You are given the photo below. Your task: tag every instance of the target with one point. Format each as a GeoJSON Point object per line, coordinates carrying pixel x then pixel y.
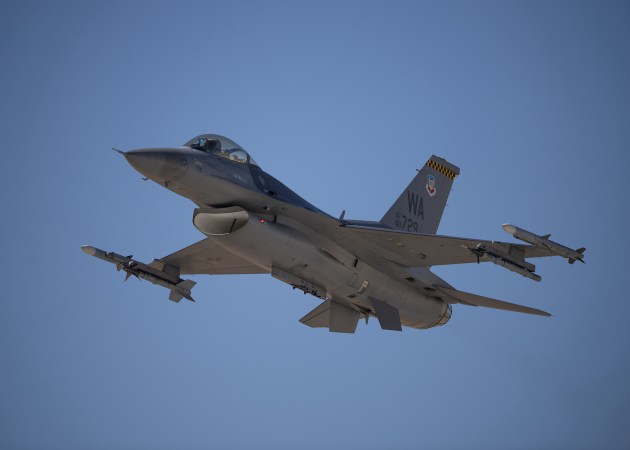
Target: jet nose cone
{"type": "Point", "coordinates": [158, 164]}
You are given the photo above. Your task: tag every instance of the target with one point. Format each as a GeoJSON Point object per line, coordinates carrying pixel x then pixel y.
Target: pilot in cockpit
{"type": "Point", "coordinates": [221, 147]}
{"type": "Point", "coordinates": [210, 145]}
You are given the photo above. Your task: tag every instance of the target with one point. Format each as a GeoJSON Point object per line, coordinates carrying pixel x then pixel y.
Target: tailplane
{"type": "Point", "coordinates": [419, 208]}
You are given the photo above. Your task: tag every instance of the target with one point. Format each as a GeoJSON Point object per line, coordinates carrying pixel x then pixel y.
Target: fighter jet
{"type": "Point", "coordinates": [254, 224]}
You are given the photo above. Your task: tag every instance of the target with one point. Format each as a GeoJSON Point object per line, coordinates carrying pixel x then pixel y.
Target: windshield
{"type": "Point", "coordinates": [220, 146]}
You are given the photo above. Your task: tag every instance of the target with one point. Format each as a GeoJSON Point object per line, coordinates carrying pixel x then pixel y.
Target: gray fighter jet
{"type": "Point", "coordinates": [254, 224]}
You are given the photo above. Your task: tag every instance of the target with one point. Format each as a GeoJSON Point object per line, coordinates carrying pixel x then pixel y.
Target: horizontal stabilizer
{"type": "Point", "coordinates": [334, 316]}
{"type": "Point", "coordinates": [477, 300]}
{"type": "Point", "coordinates": [388, 316]}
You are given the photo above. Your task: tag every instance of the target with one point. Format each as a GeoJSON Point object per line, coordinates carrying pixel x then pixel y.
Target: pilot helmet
{"type": "Point", "coordinates": [211, 144]}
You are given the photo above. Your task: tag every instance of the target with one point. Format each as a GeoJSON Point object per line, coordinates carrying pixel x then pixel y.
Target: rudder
{"type": "Point", "coordinates": [420, 206]}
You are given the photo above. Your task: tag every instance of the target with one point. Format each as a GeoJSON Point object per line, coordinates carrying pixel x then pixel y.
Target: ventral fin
{"type": "Point", "coordinates": [388, 316]}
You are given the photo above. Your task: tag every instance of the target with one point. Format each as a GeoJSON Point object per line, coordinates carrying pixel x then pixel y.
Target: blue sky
{"type": "Point", "coordinates": [342, 101]}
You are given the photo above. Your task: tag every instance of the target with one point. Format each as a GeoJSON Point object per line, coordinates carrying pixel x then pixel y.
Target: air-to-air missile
{"type": "Point", "coordinates": [545, 242]}
{"type": "Point", "coordinates": [511, 262]}
{"type": "Point", "coordinates": [157, 272]}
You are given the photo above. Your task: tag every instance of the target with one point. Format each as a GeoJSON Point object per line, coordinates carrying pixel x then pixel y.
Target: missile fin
{"type": "Point", "coordinates": [175, 296]}
{"type": "Point", "coordinates": [547, 236]}
{"type": "Point", "coordinates": [580, 250]}
{"type": "Point", "coordinates": [187, 284]}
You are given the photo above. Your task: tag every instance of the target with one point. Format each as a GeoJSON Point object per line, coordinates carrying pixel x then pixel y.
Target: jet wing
{"type": "Point", "coordinates": [411, 250]}
{"type": "Point", "coordinates": [207, 257]}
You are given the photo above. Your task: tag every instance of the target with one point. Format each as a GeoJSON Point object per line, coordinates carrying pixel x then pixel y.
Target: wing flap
{"type": "Point", "coordinates": [207, 257]}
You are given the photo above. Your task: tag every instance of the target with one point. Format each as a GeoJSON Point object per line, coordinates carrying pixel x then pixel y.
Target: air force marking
{"type": "Point", "coordinates": [431, 189]}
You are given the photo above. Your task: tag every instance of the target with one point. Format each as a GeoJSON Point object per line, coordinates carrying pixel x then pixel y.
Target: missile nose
{"type": "Point", "coordinates": [510, 229]}
{"type": "Point", "coordinates": [88, 249]}
{"type": "Point", "coordinates": [158, 164]}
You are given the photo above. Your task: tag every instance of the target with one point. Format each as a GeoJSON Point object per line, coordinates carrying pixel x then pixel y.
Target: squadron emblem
{"type": "Point", "coordinates": [431, 189]}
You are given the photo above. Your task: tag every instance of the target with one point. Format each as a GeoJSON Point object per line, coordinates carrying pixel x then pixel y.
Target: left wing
{"type": "Point", "coordinates": [411, 249]}
{"type": "Point", "coordinates": [207, 257]}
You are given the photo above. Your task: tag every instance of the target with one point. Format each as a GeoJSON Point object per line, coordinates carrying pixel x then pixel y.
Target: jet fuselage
{"type": "Point", "coordinates": [288, 247]}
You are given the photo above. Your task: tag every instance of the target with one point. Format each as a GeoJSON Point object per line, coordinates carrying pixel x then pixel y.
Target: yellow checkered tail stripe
{"type": "Point", "coordinates": [440, 168]}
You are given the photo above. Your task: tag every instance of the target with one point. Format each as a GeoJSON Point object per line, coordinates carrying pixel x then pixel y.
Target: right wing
{"type": "Point", "coordinates": [414, 249]}
{"type": "Point", "coordinates": [207, 257]}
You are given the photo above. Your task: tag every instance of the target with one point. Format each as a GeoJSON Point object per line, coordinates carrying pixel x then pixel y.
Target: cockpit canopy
{"type": "Point", "coordinates": [221, 146]}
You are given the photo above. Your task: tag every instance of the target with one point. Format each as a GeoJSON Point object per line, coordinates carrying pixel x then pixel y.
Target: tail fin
{"type": "Point", "coordinates": [419, 208]}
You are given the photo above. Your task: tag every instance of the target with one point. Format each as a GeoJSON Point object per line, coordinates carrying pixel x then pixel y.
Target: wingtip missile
{"type": "Point", "coordinates": [179, 288]}
{"type": "Point", "coordinates": [88, 249]}
{"type": "Point", "coordinates": [546, 243]}
{"type": "Point", "coordinates": [509, 228]}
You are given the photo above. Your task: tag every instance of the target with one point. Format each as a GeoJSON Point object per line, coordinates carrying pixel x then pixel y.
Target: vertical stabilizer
{"type": "Point", "coordinates": [419, 208]}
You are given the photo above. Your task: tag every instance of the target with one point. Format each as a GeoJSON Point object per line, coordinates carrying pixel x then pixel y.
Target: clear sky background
{"type": "Point", "coordinates": [342, 101]}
